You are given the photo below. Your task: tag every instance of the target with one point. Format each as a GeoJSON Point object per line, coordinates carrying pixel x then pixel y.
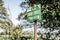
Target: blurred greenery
{"type": "Point", "coordinates": [50, 19]}
{"type": "Point", "coordinates": [14, 32]}
{"type": "Point", "coordinates": [50, 10]}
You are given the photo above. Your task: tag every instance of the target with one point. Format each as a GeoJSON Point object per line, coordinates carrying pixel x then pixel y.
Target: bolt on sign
{"type": "Point", "coordinates": [34, 13]}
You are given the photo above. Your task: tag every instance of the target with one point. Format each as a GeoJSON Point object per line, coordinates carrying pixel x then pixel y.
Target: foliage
{"type": "Point", "coordinates": [2, 9]}
{"type": "Point", "coordinates": [15, 32]}
{"type": "Point", "coordinates": [1, 3]}
{"type": "Point", "coordinates": [31, 34]}
{"type": "Point", "coordinates": [50, 10]}
{"type": "Point", "coordinates": [5, 22]}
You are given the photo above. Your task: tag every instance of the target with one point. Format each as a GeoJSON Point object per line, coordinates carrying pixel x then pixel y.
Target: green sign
{"type": "Point", "coordinates": [34, 13]}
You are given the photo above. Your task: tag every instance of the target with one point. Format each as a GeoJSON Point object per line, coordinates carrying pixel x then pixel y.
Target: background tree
{"type": "Point", "coordinates": [16, 32]}
{"type": "Point", "coordinates": [5, 22]}
{"type": "Point", "coordinates": [50, 10]}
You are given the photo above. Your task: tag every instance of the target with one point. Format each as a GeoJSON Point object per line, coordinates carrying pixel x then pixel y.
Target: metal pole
{"type": "Point", "coordinates": [35, 30]}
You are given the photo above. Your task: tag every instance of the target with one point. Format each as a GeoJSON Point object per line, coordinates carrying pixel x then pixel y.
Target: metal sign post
{"type": "Point", "coordinates": [35, 30]}
{"type": "Point", "coordinates": [33, 15]}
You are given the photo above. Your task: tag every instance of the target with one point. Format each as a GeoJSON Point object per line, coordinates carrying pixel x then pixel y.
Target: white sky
{"type": "Point", "coordinates": [14, 9]}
